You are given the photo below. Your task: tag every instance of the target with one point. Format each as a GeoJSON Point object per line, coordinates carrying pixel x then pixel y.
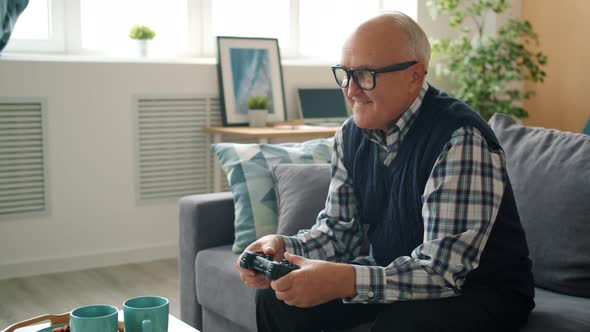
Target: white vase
{"type": "Point", "coordinates": [257, 118]}
{"type": "Point", "coordinates": [142, 47]}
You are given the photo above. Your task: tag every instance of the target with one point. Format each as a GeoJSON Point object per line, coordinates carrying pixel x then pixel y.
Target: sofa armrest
{"type": "Point", "coordinates": [204, 221]}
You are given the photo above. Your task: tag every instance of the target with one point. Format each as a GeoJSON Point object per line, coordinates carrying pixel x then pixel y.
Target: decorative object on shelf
{"type": "Point", "coordinates": [258, 110]}
{"type": "Point", "coordinates": [142, 34]}
{"type": "Point", "coordinates": [249, 67]}
{"type": "Point", "coordinates": [487, 70]}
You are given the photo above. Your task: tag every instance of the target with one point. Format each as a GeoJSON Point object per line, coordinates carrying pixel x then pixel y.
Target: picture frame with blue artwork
{"type": "Point", "coordinates": [249, 67]}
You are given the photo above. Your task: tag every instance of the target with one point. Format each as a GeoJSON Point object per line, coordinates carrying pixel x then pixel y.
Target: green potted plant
{"type": "Point", "coordinates": [487, 70]}
{"type": "Point", "coordinates": [258, 110]}
{"type": "Point", "coordinates": [142, 34]}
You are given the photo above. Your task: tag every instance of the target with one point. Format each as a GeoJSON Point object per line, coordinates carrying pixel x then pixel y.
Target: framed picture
{"type": "Point", "coordinates": [249, 67]}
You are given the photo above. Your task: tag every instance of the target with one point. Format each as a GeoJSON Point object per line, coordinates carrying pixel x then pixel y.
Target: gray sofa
{"type": "Point", "coordinates": [550, 173]}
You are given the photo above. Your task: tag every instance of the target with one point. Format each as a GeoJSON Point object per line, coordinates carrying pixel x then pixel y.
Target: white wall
{"type": "Point", "coordinates": [94, 219]}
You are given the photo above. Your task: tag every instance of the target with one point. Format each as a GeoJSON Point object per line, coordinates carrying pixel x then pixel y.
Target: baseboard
{"type": "Point", "coordinates": [88, 261]}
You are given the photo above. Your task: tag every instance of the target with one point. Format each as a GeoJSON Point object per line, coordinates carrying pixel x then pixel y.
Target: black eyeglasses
{"type": "Point", "coordinates": [365, 77]}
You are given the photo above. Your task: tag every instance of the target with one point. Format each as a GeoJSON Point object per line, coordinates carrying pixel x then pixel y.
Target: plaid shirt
{"type": "Point", "coordinates": [460, 202]}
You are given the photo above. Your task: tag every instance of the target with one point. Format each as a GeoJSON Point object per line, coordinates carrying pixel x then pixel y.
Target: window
{"type": "Point", "coordinates": [324, 25]}
{"type": "Point", "coordinates": [105, 25]}
{"type": "Point", "coordinates": [305, 28]}
{"type": "Point", "coordinates": [410, 8]}
{"type": "Point", "coordinates": [39, 28]}
{"type": "Point", "coordinates": [34, 22]}
{"type": "Point", "coordinates": [256, 18]}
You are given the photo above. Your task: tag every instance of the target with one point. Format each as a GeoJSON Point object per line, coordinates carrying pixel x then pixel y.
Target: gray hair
{"type": "Point", "coordinates": [419, 44]}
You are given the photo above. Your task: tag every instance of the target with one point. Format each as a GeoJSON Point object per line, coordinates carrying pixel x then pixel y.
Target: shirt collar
{"type": "Point", "coordinates": [398, 131]}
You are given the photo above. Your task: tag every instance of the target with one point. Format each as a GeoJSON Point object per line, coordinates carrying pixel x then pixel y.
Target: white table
{"type": "Point", "coordinates": [174, 325]}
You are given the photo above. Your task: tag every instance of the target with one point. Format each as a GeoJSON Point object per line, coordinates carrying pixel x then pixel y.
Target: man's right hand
{"type": "Point", "coordinates": [268, 245]}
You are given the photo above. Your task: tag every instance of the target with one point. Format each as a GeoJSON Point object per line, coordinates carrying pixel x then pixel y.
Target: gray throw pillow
{"type": "Point", "coordinates": [302, 190]}
{"type": "Point", "coordinates": [550, 174]}
{"type": "Point", "coordinates": [301, 193]}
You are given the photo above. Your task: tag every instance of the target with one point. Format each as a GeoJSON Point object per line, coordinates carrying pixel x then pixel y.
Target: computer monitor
{"type": "Point", "coordinates": [322, 106]}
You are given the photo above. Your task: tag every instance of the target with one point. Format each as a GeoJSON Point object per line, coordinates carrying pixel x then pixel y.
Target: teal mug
{"type": "Point", "coordinates": [146, 314]}
{"type": "Point", "coordinates": [94, 318]}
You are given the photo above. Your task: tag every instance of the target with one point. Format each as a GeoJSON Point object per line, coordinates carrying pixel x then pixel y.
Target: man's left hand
{"type": "Point", "coordinates": [315, 282]}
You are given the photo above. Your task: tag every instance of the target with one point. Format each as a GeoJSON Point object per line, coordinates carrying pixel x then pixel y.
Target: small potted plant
{"type": "Point", "coordinates": [141, 34]}
{"type": "Point", "coordinates": [258, 110]}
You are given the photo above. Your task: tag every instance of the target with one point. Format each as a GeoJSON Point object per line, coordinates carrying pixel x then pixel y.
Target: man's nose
{"type": "Point", "coordinates": [353, 89]}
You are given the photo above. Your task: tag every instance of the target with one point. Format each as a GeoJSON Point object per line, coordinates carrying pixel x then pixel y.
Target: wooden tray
{"type": "Point", "coordinates": [53, 320]}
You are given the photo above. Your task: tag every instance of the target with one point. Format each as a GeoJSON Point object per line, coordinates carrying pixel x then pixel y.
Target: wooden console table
{"type": "Point", "coordinates": [266, 133]}
{"type": "Point", "coordinates": [263, 135]}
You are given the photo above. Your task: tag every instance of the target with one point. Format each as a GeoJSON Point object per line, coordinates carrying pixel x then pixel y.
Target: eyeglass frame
{"type": "Point", "coordinates": [350, 72]}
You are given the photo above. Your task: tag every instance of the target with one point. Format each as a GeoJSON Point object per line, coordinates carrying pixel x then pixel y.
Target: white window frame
{"type": "Point", "coordinates": [73, 32]}
{"type": "Point", "coordinates": [197, 26]}
{"type": "Point", "coordinates": [65, 31]}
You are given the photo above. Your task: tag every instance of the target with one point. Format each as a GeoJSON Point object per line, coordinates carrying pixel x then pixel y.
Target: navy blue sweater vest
{"type": "Point", "coordinates": [390, 197]}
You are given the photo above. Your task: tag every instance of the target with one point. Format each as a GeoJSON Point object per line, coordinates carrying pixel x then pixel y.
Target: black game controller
{"type": "Point", "coordinates": [263, 263]}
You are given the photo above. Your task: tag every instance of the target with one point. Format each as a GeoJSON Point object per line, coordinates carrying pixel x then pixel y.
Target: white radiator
{"type": "Point", "coordinates": [172, 151]}
{"type": "Point", "coordinates": [23, 169]}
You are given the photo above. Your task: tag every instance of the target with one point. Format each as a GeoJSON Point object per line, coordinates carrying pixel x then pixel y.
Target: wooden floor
{"type": "Point", "coordinates": [22, 298]}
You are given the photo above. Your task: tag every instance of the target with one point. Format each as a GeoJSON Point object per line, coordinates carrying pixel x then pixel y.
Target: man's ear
{"type": "Point", "coordinates": [416, 78]}
{"type": "Point", "coordinates": [418, 73]}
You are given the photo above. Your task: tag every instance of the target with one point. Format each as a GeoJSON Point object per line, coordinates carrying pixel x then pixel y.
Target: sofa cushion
{"type": "Point", "coordinates": [220, 289]}
{"type": "Point", "coordinates": [558, 312]}
{"type": "Point", "coordinates": [301, 194]}
{"type": "Point", "coordinates": [248, 168]}
{"type": "Point", "coordinates": [550, 175]}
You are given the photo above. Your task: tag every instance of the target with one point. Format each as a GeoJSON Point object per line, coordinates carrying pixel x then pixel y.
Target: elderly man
{"type": "Point", "coordinates": [427, 176]}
